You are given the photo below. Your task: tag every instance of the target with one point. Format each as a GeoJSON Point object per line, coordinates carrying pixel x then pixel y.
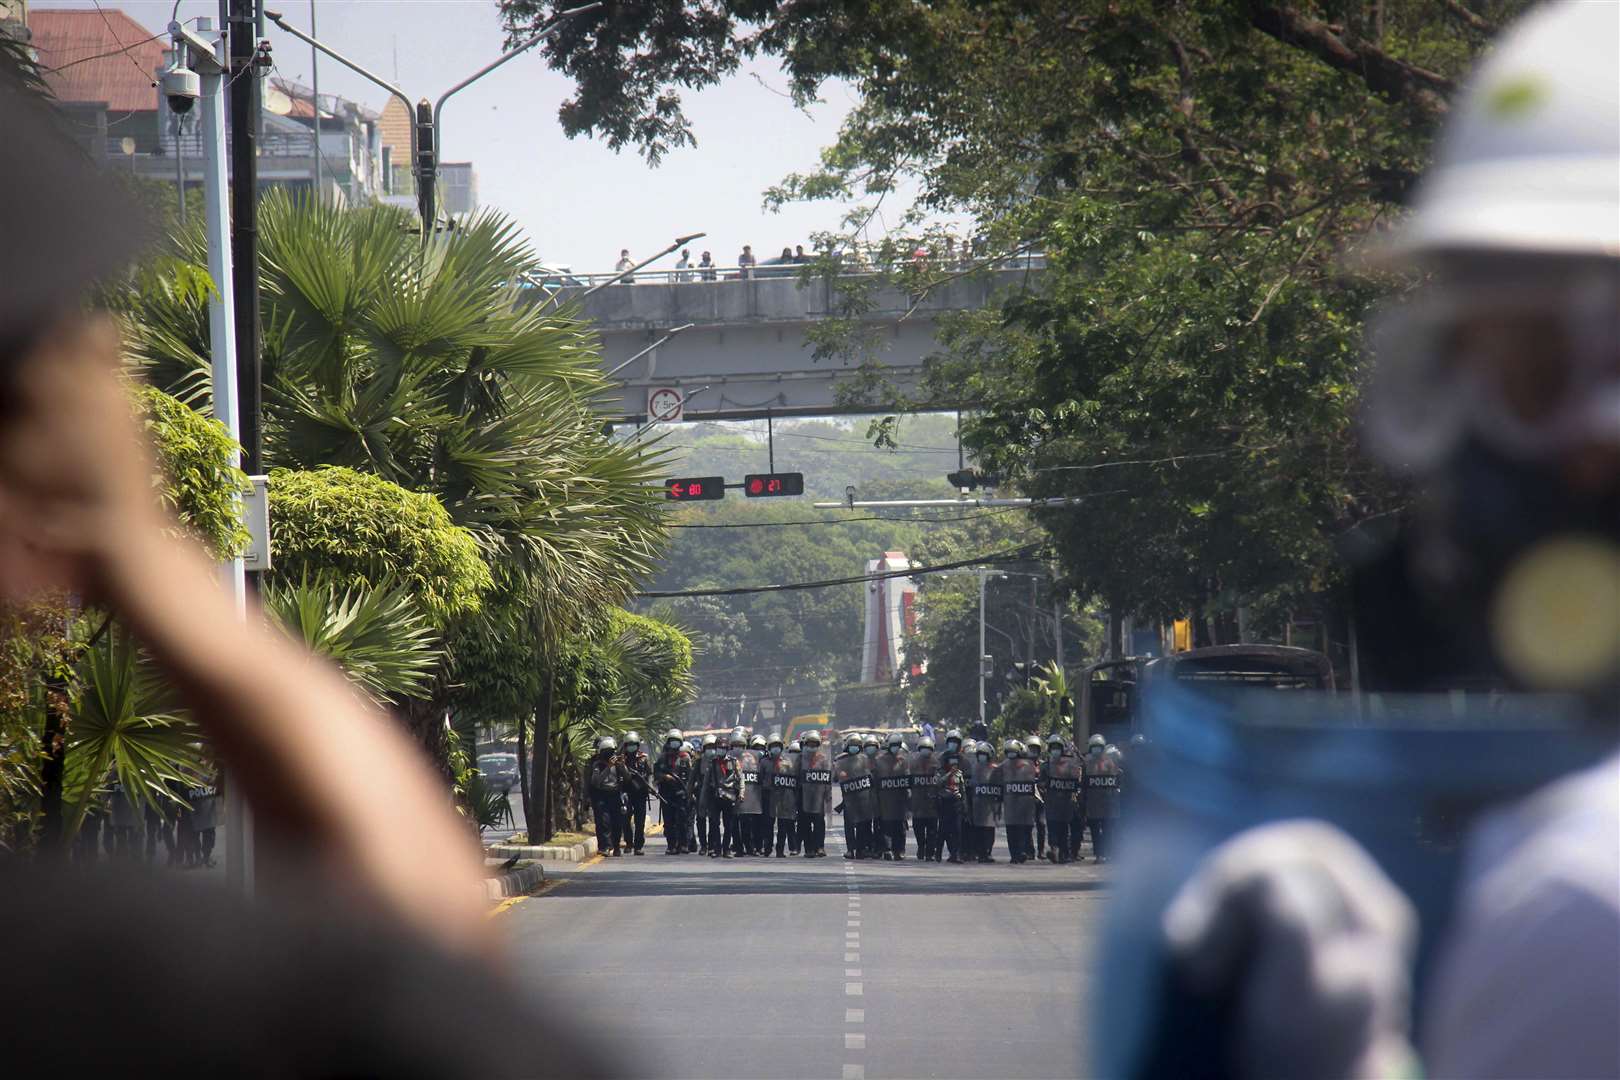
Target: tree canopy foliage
{"type": "Point", "coordinates": [366, 530]}
{"type": "Point", "coordinates": [1192, 172]}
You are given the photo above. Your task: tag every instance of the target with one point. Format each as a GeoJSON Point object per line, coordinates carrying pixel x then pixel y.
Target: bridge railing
{"type": "Point", "coordinates": [567, 279]}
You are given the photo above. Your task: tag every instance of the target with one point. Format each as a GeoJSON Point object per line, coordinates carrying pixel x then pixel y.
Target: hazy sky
{"type": "Point", "coordinates": [578, 201]}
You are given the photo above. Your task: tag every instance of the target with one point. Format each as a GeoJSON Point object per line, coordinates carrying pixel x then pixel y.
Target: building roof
{"type": "Point", "coordinates": [99, 55]}
{"type": "Point", "coordinates": [394, 129]}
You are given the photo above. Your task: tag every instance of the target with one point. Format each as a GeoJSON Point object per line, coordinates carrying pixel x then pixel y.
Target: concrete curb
{"type": "Point", "coordinates": [552, 852]}
{"type": "Point", "coordinates": [515, 882]}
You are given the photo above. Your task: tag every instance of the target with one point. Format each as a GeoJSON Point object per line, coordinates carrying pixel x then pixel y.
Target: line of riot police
{"type": "Point", "coordinates": [750, 795]}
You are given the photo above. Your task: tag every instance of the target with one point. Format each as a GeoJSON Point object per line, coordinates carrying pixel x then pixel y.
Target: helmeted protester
{"type": "Point", "coordinates": [672, 774]}
{"type": "Point", "coordinates": [708, 839]}
{"type": "Point", "coordinates": [638, 788]}
{"type": "Point", "coordinates": [853, 771]}
{"type": "Point", "coordinates": [1060, 776]}
{"type": "Point", "coordinates": [892, 771]}
{"type": "Point", "coordinates": [815, 795]}
{"type": "Point", "coordinates": [607, 785]}
{"type": "Point", "coordinates": [780, 774]}
{"type": "Point", "coordinates": [1018, 801]}
{"type": "Point", "coordinates": [751, 812]}
{"type": "Point", "coordinates": [950, 793]}
{"type": "Point", "coordinates": [1102, 784]}
{"type": "Point", "coordinates": [924, 770]}
{"type": "Point", "coordinates": [984, 802]}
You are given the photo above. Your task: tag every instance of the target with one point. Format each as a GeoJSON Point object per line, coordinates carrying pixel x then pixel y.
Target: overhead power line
{"type": "Point", "coordinates": [1010, 555]}
{"type": "Point", "coordinates": [987, 512]}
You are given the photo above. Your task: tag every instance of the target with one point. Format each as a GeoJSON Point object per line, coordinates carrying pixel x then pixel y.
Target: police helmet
{"type": "Point", "coordinates": [709, 740]}
{"type": "Point", "coordinates": [870, 740]}
{"type": "Point", "coordinates": [1096, 742]}
{"type": "Point", "coordinates": [852, 744]}
{"type": "Point", "coordinates": [606, 743]}
{"type": "Point", "coordinates": [1138, 739]}
{"type": "Point", "coordinates": [672, 735]}
{"type": "Point", "coordinates": [982, 748]}
{"type": "Point", "coordinates": [757, 742]}
{"type": "Point", "coordinates": [925, 743]}
{"type": "Point", "coordinates": [1013, 747]}
{"type": "Point", "coordinates": [1054, 739]}
{"type": "Point", "coordinates": [631, 739]}
{"type": "Point", "coordinates": [812, 738]}
{"type": "Point", "coordinates": [896, 739]}
{"type": "Point", "coordinates": [793, 747]}
{"type": "Point", "coordinates": [775, 739]}
{"type": "Point", "coordinates": [738, 737]}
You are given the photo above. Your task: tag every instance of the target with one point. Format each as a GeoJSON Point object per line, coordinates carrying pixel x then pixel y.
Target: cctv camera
{"type": "Point", "coordinates": [182, 87]}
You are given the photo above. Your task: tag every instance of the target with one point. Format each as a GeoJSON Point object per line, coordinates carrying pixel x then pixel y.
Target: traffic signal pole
{"type": "Point", "coordinates": [426, 119]}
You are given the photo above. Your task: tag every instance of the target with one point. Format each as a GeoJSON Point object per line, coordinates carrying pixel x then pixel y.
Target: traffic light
{"type": "Point", "coordinates": [772, 485]}
{"type": "Point", "coordinates": [972, 478]}
{"type": "Point", "coordinates": [695, 488]}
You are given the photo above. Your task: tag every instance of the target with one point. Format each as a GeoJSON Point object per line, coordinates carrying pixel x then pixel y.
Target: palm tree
{"type": "Point", "coordinates": [425, 365]}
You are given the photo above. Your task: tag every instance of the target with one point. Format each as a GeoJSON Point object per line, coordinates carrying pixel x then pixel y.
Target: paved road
{"type": "Point", "coordinates": [765, 968]}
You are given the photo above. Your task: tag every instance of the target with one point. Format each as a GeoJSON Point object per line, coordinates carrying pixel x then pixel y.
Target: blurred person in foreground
{"type": "Point", "coordinates": [373, 955]}
{"type": "Point", "coordinates": [1498, 384]}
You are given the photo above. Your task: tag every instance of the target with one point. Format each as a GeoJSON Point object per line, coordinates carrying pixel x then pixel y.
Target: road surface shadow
{"type": "Point", "coordinates": [604, 881]}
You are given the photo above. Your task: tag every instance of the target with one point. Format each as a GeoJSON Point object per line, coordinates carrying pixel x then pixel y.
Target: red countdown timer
{"type": "Point", "coordinates": [695, 488]}
{"type": "Point", "coordinates": [771, 485]}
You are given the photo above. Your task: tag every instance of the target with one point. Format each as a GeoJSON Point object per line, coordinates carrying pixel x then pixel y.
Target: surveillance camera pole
{"type": "Point", "coordinates": [209, 60]}
{"type": "Point", "coordinates": [426, 119]}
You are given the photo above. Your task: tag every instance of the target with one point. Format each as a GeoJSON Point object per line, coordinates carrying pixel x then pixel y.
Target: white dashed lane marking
{"type": "Point", "coordinates": [854, 1041]}
{"type": "Point", "coordinates": [854, 1072]}
{"type": "Point", "coordinates": [854, 1016]}
{"type": "Point", "coordinates": [853, 989]}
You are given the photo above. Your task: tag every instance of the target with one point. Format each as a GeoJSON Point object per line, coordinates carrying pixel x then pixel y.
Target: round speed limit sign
{"type": "Point", "coordinates": [665, 405]}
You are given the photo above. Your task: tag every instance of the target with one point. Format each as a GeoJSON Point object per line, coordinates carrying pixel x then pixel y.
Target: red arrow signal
{"type": "Point", "coordinates": [695, 489]}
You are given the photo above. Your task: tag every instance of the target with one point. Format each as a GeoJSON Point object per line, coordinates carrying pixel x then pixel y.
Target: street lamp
{"type": "Point", "coordinates": [425, 118]}
{"type": "Point", "coordinates": [680, 241]}
{"type": "Point", "coordinates": [679, 329]}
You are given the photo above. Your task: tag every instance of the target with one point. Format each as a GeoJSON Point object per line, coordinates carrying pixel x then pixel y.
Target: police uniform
{"type": "Point", "coordinates": [1102, 783]}
{"type": "Point", "coordinates": [781, 778]}
{"type": "Point", "coordinates": [672, 775]}
{"type": "Point", "coordinates": [815, 790]}
{"type": "Point", "coordinates": [924, 771]}
{"type": "Point", "coordinates": [984, 806]}
{"type": "Point", "coordinates": [1018, 804]}
{"type": "Point", "coordinates": [853, 772]}
{"type": "Point", "coordinates": [1060, 787]}
{"type": "Point", "coordinates": [893, 774]}
{"type": "Point", "coordinates": [638, 787]}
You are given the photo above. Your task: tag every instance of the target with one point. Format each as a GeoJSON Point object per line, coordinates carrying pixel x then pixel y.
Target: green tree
{"type": "Point", "coordinates": [1191, 171]}
{"type": "Point", "coordinates": [367, 530]}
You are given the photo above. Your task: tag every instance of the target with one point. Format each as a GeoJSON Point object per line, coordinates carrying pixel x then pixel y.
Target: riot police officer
{"type": "Point", "coordinates": [1018, 801]}
{"type": "Point", "coordinates": [924, 769]}
{"type": "Point", "coordinates": [1032, 754]}
{"type": "Point", "coordinates": [1060, 783]}
{"type": "Point", "coordinates": [607, 796]}
{"type": "Point", "coordinates": [751, 811]}
{"type": "Point", "coordinates": [984, 803]}
{"type": "Point", "coordinates": [893, 774]}
{"type": "Point", "coordinates": [1102, 778]}
{"type": "Point", "coordinates": [672, 774]}
{"type": "Point", "coordinates": [781, 778]}
{"type": "Point", "coordinates": [726, 780]}
{"type": "Point", "coordinates": [795, 753]}
{"type": "Point", "coordinates": [950, 790]}
{"type": "Point", "coordinates": [853, 771]}
{"type": "Point", "coordinates": [815, 786]}
{"type": "Point", "coordinates": [638, 788]}
{"type": "Point", "coordinates": [708, 839]}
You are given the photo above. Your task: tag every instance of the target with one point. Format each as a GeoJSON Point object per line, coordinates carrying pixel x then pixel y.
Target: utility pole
{"type": "Point", "coordinates": [245, 120]}
{"type": "Point", "coordinates": [211, 61]}
{"type": "Point", "coordinates": [984, 576]}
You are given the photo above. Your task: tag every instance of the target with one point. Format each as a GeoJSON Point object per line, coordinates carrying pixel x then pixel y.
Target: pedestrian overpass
{"type": "Point", "coordinates": [742, 351]}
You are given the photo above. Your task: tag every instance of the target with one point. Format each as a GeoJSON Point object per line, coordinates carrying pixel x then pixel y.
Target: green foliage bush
{"type": "Point", "coordinates": [196, 479]}
{"type": "Point", "coordinates": [367, 529]}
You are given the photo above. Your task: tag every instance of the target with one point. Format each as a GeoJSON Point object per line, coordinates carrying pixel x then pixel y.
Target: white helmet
{"type": "Point", "coordinates": [606, 743]}
{"type": "Point", "coordinates": [793, 747]}
{"type": "Point", "coordinates": [1530, 155]}
{"type": "Point", "coordinates": [811, 738]}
